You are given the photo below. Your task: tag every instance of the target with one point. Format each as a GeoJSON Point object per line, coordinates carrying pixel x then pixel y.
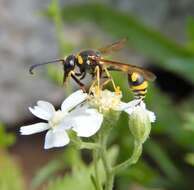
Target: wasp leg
{"type": "Point", "coordinates": [96, 80]}
{"type": "Point", "coordinates": [110, 78]}
{"type": "Point", "coordinates": [116, 88]}
{"type": "Point", "coordinates": [104, 76]}
{"type": "Point", "coordinates": [82, 86]}
{"type": "Point", "coordinates": [97, 71]}
{"type": "Point", "coordinates": [91, 87]}
{"type": "Point", "coordinates": [78, 74]}
{"type": "Point", "coordinates": [105, 82]}
{"type": "Point", "coordinates": [83, 75]}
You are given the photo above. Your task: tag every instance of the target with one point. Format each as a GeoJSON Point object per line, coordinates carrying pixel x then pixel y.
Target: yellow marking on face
{"type": "Point", "coordinates": [142, 86]}
{"type": "Point", "coordinates": [88, 62]}
{"type": "Point", "coordinates": [80, 60]}
{"type": "Point", "coordinates": [134, 77]}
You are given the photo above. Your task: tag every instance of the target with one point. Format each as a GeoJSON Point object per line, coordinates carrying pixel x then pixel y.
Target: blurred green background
{"type": "Point", "coordinates": [160, 38]}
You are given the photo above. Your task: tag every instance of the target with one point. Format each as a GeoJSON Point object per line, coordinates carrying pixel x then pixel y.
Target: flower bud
{"type": "Point", "coordinates": [139, 124]}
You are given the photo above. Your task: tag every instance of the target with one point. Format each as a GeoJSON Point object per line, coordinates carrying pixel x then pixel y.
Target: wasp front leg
{"type": "Point", "coordinates": [81, 85]}
{"type": "Point", "coordinates": [96, 74]}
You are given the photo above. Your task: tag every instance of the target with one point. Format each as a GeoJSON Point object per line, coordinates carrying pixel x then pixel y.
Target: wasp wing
{"type": "Point", "coordinates": [128, 68]}
{"type": "Point", "coordinates": [113, 47]}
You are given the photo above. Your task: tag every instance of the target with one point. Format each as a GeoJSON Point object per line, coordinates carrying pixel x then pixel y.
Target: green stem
{"type": "Point", "coordinates": [137, 150]}
{"type": "Point", "coordinates": [85, 145]}
{"type": "Point", "coordinates": [58, 21]}
{"type": "Point", "coordinates": [97, 180]}
{"type": "Point", "coordinates": [110, 182]}
{"type": "Point", "coordinates": [107, 167]}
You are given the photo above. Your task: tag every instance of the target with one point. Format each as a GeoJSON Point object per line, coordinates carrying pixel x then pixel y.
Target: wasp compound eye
{"type": "Point", "coordinates": [68, 66]}
{"type": "Point", "coordinates": [70, 61]}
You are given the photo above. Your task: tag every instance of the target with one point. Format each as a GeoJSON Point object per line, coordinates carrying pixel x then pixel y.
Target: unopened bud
{"type": "Point", "coordinates": [139, 124]}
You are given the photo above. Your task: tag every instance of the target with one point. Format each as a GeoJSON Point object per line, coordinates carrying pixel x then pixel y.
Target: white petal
{"type": "Point", "coordinates": [46, 106]}
{"type": "Point", "coordinates": [73, 100]}
{"type": "Point", "coordinates": [121, 106]}
{"type": "Point", "coordinates": [56, 138]}
{"type": "Point", "coordinates": [87, 124]}
{"type": "Point", "coordinates": [34, 128]}
{"type": "Point", "coordinates": [66, 124]}
{"type": "Point", "coordinates": [81, 110]}
{"type": "Point", "coordinates": [142, 105]}
{"type": "Point", "coordinates": [151, 116]}
{"type": "Point", "coordinates": [40, 113]}
{"type": "Point", "coordinates": [129, 110]}
{"type": "Point", "coordinates": [130, 105]}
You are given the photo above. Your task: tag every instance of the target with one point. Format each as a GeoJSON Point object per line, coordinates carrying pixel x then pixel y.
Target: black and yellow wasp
{"type": "Point", "coordinates": [91, 62]}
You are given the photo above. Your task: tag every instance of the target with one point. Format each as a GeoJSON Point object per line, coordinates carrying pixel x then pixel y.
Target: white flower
{"type": "Point", "coordinates": [88, 122]}
{"type": "Point", "coordinates": [134, 105]}
{"type": "Point", "coordinates": [83, 120]}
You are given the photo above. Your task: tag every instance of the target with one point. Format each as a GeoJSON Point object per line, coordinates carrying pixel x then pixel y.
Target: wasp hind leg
{"type": "Point", "coordinates": [110, 79]}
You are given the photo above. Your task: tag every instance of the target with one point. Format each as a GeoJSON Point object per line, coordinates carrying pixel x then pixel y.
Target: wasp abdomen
{"type": "Point", "coordinates": [138, 85]}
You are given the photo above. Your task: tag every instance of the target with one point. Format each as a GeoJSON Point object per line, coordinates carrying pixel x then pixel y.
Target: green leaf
{"type": "Point", "coordinates": [46, 173]}
{"type": "Point", "coordinates": [143, 174]}
{"type": "Point", "coordinates": [80, 177]}
{"type": "Point", "coordinates": [189, 121]}
{"type": "Point", "coordinates": [169, 119]}
{"type": "Point", "coordinates": [163, 160]}
{"type": "Point", "coordinates": [10, 175]}
{"type": "Point", "coordinates": [6, 139]}
{"type": "Point", "coordinates": [190, 32]}
{"type": "Point", "coordinates": [189, 158]}
{"type": "Point", "coordinates": [55, 12]}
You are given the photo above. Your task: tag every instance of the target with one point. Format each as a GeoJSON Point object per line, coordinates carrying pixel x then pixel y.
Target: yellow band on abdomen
{"type": "Point", "coordinates": [142, 86]}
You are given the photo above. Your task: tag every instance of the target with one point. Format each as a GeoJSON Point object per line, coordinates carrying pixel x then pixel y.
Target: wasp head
{"type": "Point", "coordinates": [68, 66]}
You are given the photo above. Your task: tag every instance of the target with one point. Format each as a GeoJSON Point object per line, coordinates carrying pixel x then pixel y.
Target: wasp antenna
{"type": "Point", "coordinates": [32, 67]}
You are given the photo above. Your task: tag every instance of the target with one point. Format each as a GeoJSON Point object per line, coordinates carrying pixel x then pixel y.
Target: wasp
{"type": "Point", "coordinates": [91, 62]}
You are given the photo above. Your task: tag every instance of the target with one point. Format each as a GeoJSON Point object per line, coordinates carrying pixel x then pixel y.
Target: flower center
{"type": "Point", "coordinates": [57, 118]}
{"type": "Point", "coordinates": [105, 100]}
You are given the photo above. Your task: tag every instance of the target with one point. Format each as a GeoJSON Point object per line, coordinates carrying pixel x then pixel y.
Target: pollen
{"type": "Point", "coordinates": [105, 100]}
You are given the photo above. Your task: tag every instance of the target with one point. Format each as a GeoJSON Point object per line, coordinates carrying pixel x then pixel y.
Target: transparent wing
{"type": "Point", "coordinates": [118, 66]}
{"type": "Point", "coordinates": [113, 47]}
